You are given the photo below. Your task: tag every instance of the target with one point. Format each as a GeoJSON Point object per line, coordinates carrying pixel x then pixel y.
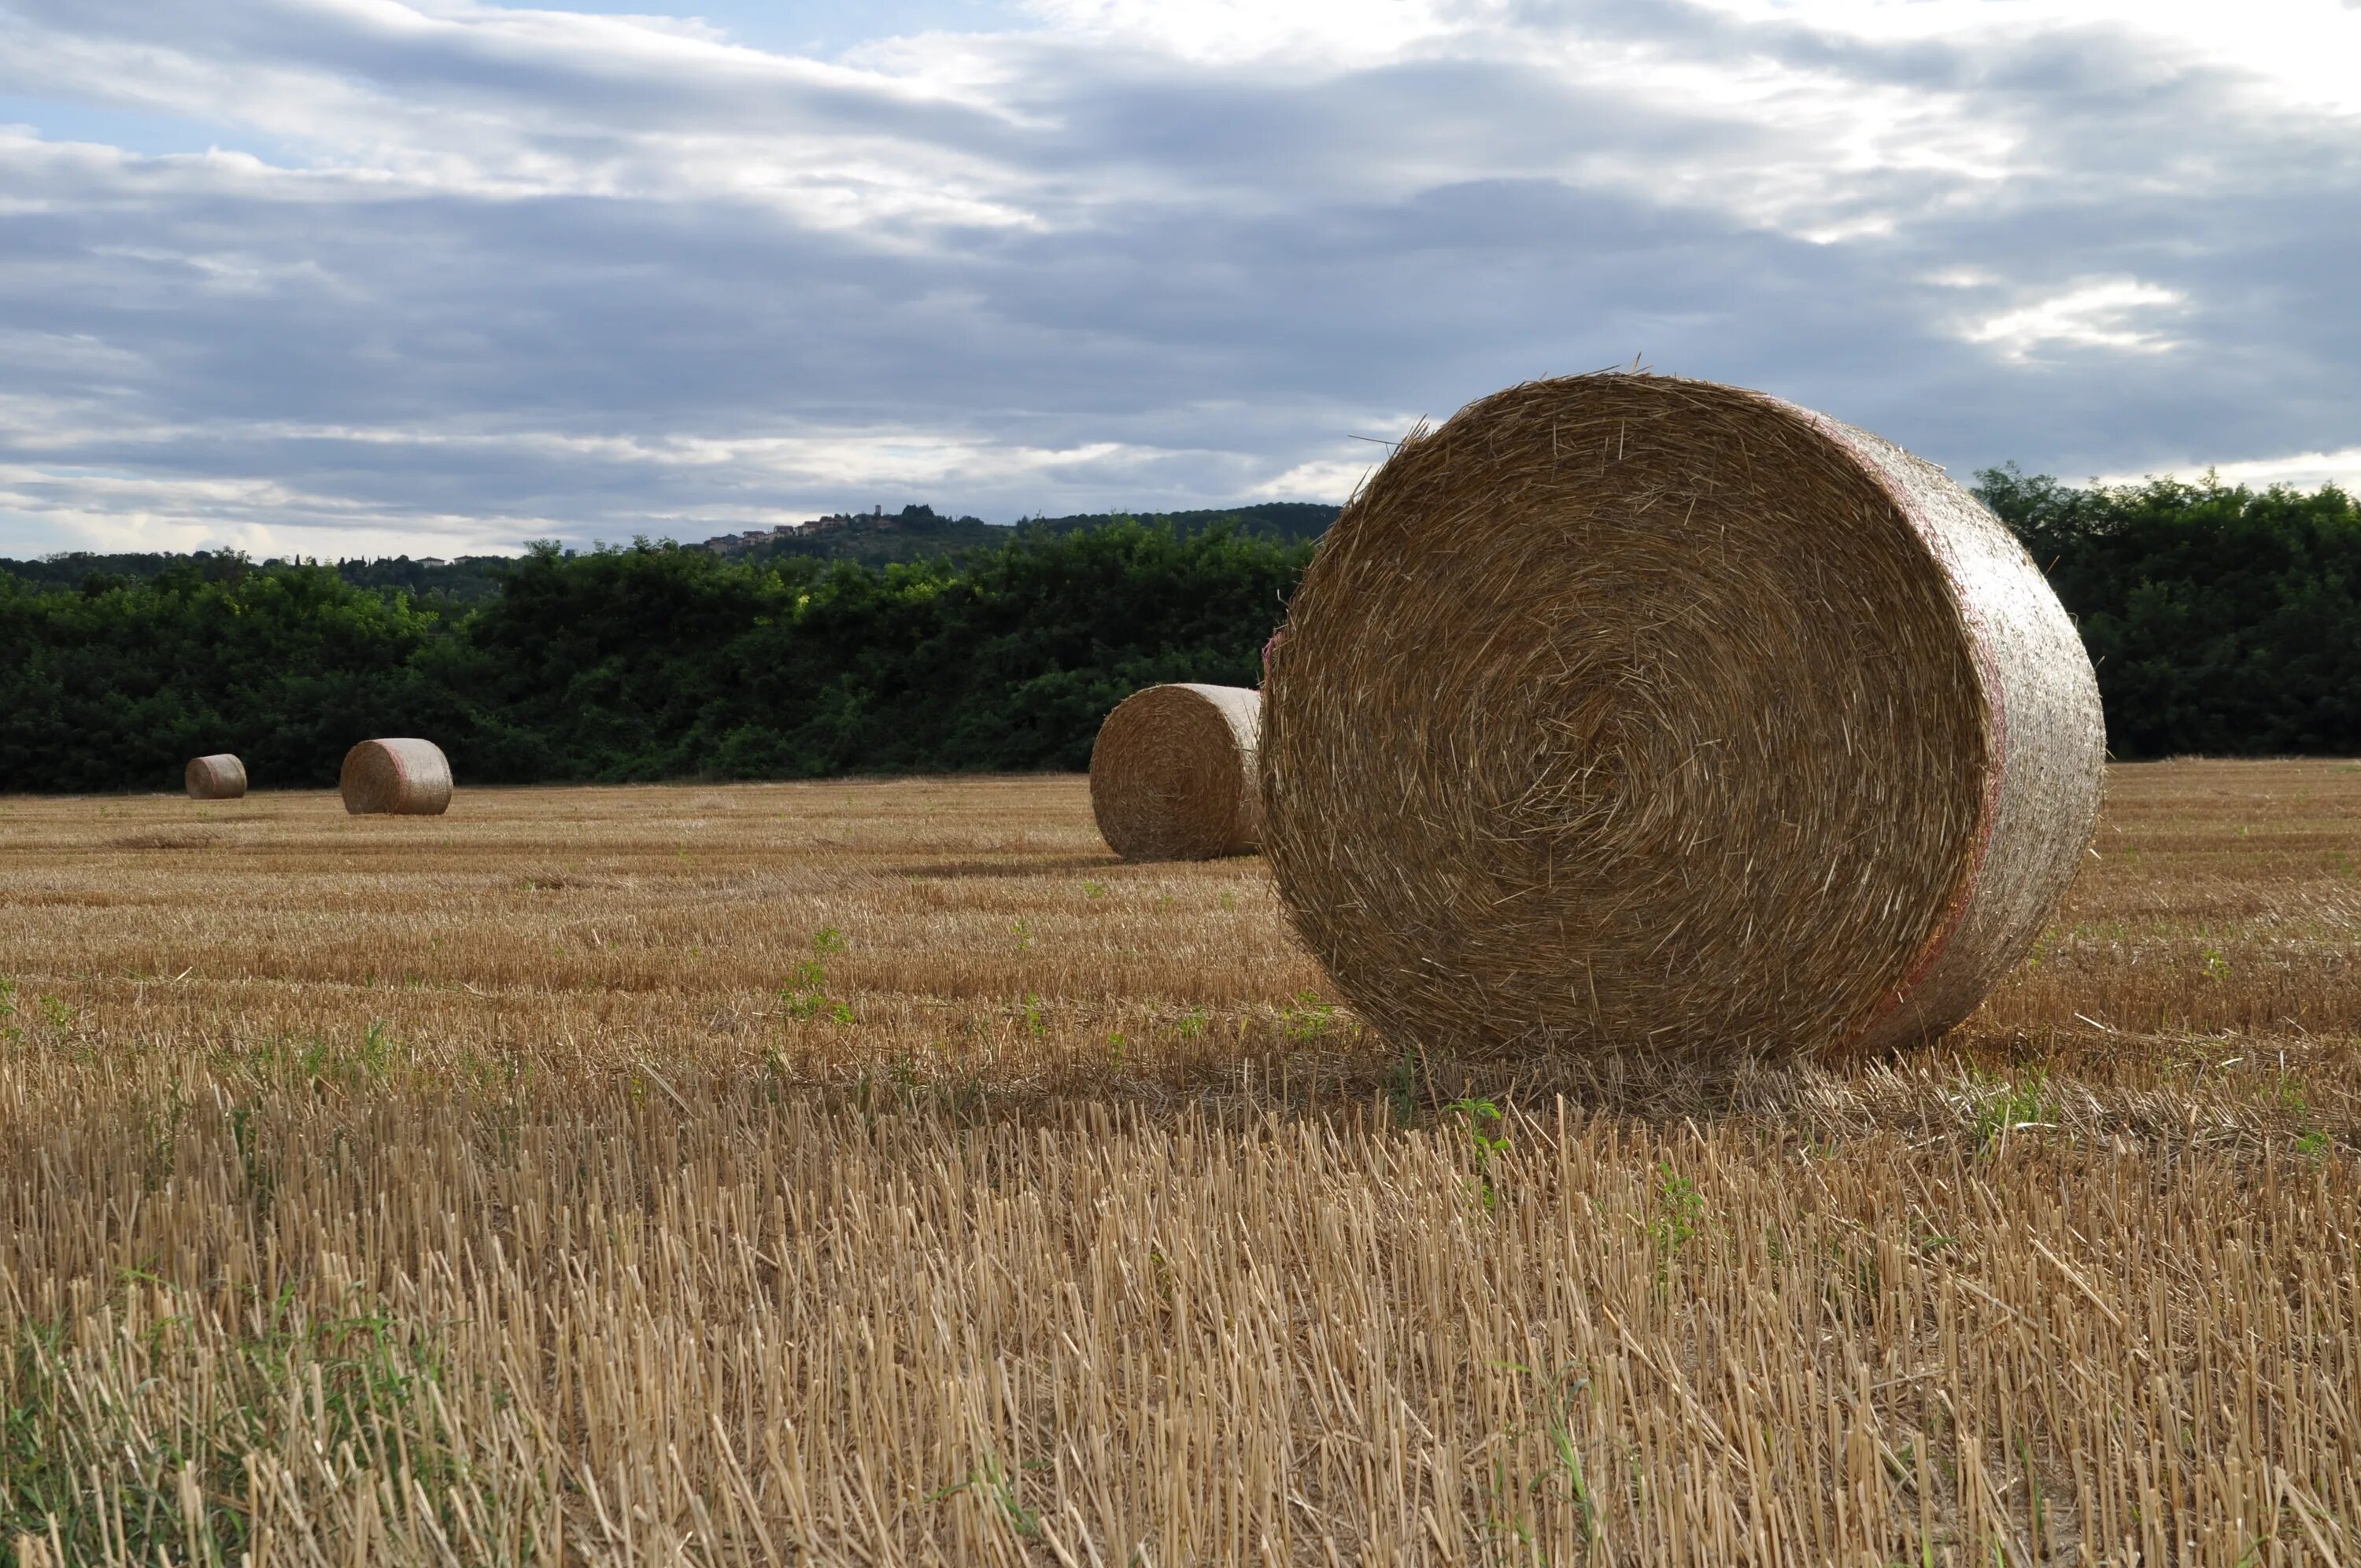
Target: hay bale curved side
{"type": "Point", "coordinates": [1173, 775]}
{"type": "Point", "coordinates": [1629, 712]}
{"type": "Point", "coordinates": [218, 777]}
{"type": "Point", "coordinates": [405, 777]}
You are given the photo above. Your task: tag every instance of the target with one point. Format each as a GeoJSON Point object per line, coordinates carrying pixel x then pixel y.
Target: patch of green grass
{"type": "Point", "coordinates": [110, 1469]}
{"type": "Point", "coordinates": [1993, 1108]}
{"type": "Point", "coordinates": [1308, 1018]}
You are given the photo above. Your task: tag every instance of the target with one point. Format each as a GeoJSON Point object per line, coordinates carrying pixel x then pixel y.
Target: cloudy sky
{"type": "Point", "coordinates": [346, 277]}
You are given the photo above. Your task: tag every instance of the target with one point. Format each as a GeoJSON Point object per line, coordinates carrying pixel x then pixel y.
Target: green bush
{"type": "Point", "coordinates": [2223, 620]}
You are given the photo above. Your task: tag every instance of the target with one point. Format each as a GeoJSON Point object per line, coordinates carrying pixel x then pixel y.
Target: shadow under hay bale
{"type": "Point", "coordinates": [1172, 774]}
{"type": "Point", "coordinates": [1630, 713]}
{"type": "Point", "coordinates": [218, 777]}
{"type": "Point", "coordinates": [404, 777]}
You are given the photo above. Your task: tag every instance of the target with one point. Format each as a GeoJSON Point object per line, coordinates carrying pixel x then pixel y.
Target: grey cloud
{"type": "Point", "coordinates": [1231, 273]}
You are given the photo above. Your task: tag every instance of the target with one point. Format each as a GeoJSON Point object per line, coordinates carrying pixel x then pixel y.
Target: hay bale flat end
{"type": "Point", "coordinates": [1173, 774]}
{"type": "Point", "coordinates": [1623, 712]}
{"type": "Point", "coordinates": [218, 777]}
{"type": "Point", "coordinates": [405, 777]}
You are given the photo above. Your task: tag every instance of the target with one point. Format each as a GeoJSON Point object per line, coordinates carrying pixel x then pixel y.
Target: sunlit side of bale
{"type": "Point", "coordinates": [1173, 775]}
{"type": "Point", "coordinates": [404, 777]}
{"type": "Point", "coordinates": [1630, 713]}
{"type": "Point", "coordinates": [218, 777]}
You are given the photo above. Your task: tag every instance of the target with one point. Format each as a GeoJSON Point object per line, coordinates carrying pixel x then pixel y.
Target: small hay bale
{"type": "Point", "coordinates": [1626, 712]}
{"type": "Point", "coordinates": [218, 777]}
{"type": "Point", "coordinates": [1172, 774]}
{"type": "Point", "coordinates": [404, 777]}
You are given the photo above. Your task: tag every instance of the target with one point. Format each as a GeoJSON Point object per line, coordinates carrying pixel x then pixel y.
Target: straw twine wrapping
{"type": "Point", "coordinates": [1624, 711]}
{"type": "Point", "coordinates": [1172, 774]}
{"type": "Point", "coordinates": [405, 777]}
{"type": "Point", "coordinates": [218, 777]}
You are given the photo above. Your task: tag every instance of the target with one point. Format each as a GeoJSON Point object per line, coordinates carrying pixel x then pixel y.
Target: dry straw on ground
{"type": "Point", "coordinates": [881, 1174]}
{"type": "Point", "coordinates": [403, 777]}
{"type": "Point", "coordinates": [218, 777]}
{"type": "Point", "coordinates": [1630, 712]}
{"type": "Point", "coordinates": [1172, 774]}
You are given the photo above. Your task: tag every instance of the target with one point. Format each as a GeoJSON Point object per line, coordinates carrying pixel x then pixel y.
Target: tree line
{"type": "Point", "coordinates": [2223, 620]}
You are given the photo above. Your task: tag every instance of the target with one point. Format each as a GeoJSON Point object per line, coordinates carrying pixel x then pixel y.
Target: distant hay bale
{"type": "Point", "coordinates": [218, 777]}
{"type": "Point", "coordinates": [404, 777]}
{"type": "Point", "coordinates": [1630, 712]}
{"type": "Point", "coordinates": [1172, 774]}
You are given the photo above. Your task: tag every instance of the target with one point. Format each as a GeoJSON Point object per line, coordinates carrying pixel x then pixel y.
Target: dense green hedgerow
{"type": "Point", "coordinates": [2223, 620]}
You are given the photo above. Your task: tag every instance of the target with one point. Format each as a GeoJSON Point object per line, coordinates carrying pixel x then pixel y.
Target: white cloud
{"type": "Point", "coordinates": [1327, 34]}
{"type": "Point", "coordinates": [2104, 313]}
{"type": "Point", "coordinates": [2304, 470]}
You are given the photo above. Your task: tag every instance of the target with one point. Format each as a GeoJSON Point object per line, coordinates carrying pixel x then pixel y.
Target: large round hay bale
{"type": "Point", "coordinates": [1172, 774]}
{"type": "Point", "coordinates": [404, 777]}
{"type": "Point", "coordinates": [218, 777]}
{"type": "Point", "coordinates": [1630, 712]}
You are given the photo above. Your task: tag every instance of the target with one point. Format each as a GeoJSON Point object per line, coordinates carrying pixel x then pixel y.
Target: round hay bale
{"type": "Point", "coordinates": [1172, 774]}
{"type": "Point", "coordinates": [1625, 712]}
{"type": "Point", "coordinates": [218, 777]}
{"type": "Point", "coordinates": [404, 777]}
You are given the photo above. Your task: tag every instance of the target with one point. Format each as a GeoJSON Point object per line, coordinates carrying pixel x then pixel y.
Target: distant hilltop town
{"type": "Point", "coordinates": [920, 531]}
{"type": "Point", "coordinates": [912, 524]}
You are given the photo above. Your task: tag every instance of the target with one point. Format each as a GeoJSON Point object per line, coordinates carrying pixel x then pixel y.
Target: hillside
{"type": "Point", "coordinates": [916, 532]}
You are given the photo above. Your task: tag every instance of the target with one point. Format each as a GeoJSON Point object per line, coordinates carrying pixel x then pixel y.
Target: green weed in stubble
{"type": "Point", "coordinates": [1558, 1399]}
{"type": "Point", "coordinates": [1679, 1214]}
{"type": "Point", "coordinates": [1993, 1108]}
{"type": "Point", "coordinates": [1308, 1018]}
{"type": "Point", "coordinates": [1402, 1085]}
{"type": "Point", "coordinates": [161, 1139]}
{"type": "Point", "coordinates": [261, 1178]}
{"type": "Point", "coordinates": [1488, 1134]}
{"type": "Point", "coordinates": [805, 996]}
{"type": "Point", "coordinates": [1570, 1458]}
{"type": "Point", "coordinates": [94, 1474]}
{"type": "Point", "coordinates": [998, 1486]}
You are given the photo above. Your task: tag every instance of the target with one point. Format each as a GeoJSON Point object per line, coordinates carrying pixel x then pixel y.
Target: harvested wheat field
{"type": "Point", "coordinates": [885, 1173]}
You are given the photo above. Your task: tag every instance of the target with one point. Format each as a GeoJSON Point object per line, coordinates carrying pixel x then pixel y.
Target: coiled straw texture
{"type": "Point", "coordinates": [1626, 713]}
{"type": "Point", "coordinates": [404, 777]}
{"type": "Point", "coordinates": [218, 777]}
{"type": "Point", "coordinates": [1173, 775]}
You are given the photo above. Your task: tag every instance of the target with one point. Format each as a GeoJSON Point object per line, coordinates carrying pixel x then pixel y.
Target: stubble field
{"type": "Point", "coordinates": [880, 1173]}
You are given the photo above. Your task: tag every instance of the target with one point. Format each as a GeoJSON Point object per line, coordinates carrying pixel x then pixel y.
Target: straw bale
{"type": "Point", "coordinates": [404, 777]}
{"type": "Point", "coordinates": [1172, 774]}
{"type": "Point", "coordinates": [218, 777]}
{"type": "Point", "coordinates": [1623, 712]}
